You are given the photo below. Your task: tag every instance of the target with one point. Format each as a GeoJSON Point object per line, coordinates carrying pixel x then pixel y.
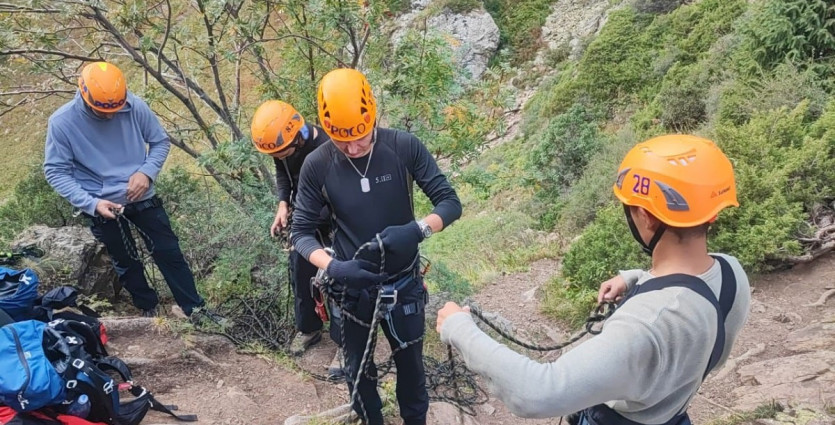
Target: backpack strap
{"type": "Point", "coordinates": [727, 295]}
{"type": "Point", "coordinates": [168, 409]}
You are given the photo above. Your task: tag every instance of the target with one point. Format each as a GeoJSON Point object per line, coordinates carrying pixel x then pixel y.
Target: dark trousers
{"type": "Point", "coordinates": [301, 272]}
{"type": "Point", "coordinates": [408, 323]}
{"type": "Point", "coordinates": [165, 247]}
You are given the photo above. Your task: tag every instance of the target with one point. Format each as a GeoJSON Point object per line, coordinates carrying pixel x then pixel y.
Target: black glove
{"type": "Point", "coordinates": [400, 244]}
{"type": "Point", "coordinates": [357, 274]}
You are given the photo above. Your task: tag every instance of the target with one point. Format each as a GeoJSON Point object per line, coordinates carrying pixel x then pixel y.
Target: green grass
{"type": "Point", "coordinates": [767, 410]}
{"type": "Point", "coordinates": [481, 246]}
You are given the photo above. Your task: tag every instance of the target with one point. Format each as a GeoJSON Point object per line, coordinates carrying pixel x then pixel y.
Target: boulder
{"type": "Point", "coordinates": [473, 36]}
{"type": "Point", "coordinates": [72, 257]}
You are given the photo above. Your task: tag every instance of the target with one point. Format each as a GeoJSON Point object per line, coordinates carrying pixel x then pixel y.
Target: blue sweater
{"type": "Point", "coordinates": [90, 158]}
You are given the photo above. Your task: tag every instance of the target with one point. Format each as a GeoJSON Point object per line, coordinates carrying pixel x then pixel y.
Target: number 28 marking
{"type": "Point", "coordinates": [641, 185]}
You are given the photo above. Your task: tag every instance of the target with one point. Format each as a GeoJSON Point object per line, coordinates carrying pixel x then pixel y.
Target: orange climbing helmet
{"type": "Point", "coordinates": [682, 180]}
{"type": "Point", "coordinates": [103, 87]}
{"type": "Point", "coordinates": [274, 126]}
{"type": "Point", "coordinates": [347, 109]}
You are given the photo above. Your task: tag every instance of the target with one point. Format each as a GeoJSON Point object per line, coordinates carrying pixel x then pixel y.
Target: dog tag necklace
{"type": "Point", "coordinates": [365, 185]}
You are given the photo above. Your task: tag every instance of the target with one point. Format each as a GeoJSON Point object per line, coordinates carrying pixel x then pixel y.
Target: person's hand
{"type": "Point", "coordinates": [138, 184]}
{"type": "Point", "coordinates": [399, 240]}
{"type": "Point", "coordinates": [106, 209]}
{"type": "Point", "coordinates": [449, 309]}
{"type": "Point", "coordinates": [357, 274]}
{"type": "Point", "coordinates": [611, 290]}
{"type": "Point", "coordinates": [281, 217]}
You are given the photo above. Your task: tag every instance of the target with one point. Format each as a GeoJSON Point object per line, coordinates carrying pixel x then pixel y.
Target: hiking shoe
{"type": "Point", "coordinates": [303, 341]}
{"type": "Point", "coordinates": [202, 316]}
{"type": "Point", "coordinates": [335, 370]}
{"type": "Point", "coordinates": [151, 312]}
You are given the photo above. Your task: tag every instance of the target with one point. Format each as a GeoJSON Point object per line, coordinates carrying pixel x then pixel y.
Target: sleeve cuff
{"type": "Point", "coordinates": [150, 171]}
{"type": "Point", "coordinates": [456, 325]}
{"type": "Point", "coordinates": [90, 207]}
{"type": "Point", "coordinates": [631, 277]}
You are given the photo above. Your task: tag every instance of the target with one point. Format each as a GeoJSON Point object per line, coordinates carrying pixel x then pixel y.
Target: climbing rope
{"type": "Point", "coordinates": [598, 316]}
{"type": "Point", "coordinates": [133, 249]}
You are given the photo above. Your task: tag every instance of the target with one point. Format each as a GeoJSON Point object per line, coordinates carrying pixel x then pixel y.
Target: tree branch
{"type": "Point", "coordinates": [64, 55]}
{"type": "Point", "coordinates": [212, 57]}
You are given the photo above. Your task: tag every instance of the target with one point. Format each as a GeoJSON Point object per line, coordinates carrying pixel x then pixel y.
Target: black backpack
{"type": "Point", "coordinates": [80, 357]}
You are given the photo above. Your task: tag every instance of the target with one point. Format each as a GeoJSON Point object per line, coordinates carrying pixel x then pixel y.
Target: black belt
{"type": "Point", "coordinates": [131, 208]}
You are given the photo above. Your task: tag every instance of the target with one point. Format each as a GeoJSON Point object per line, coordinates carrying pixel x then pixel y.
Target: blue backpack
{"type": "Point", "coordinates": [52, 364]}
{"type": "Point", "coordinates": [18, 291]}
{"type": "Point", "coordinates": [28, 380]}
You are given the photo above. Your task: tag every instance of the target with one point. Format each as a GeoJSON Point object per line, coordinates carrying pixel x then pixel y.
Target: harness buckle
{"type": "Point", "coordinates": [388, 296]}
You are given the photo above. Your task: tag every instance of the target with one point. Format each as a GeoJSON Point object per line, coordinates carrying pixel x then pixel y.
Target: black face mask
{"type": "Point", "coordinates": [647, 248]}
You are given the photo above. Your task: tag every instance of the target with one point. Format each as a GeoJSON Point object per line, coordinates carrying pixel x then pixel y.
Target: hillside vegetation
{"type": "Point", "coordinates": [755, 76]}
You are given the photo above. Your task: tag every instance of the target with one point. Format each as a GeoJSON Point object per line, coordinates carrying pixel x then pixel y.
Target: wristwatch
{"type": "Point", "coordinates": [425, 229]}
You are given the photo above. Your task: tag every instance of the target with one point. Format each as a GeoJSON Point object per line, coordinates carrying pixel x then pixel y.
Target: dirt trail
{"type": "Point", "coordinates": [204, 374]}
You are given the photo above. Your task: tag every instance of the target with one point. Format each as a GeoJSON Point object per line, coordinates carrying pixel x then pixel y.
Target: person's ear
{"type": "Point", "coordinates": [646, 220]}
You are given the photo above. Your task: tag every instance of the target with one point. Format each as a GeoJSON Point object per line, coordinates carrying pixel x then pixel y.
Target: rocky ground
{"type": "Point", "coordinates": [786, 353]}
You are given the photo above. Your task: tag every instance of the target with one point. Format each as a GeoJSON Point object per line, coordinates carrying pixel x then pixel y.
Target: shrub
{"type": "Point", "coordinates": [520, 24]}
{"type": "Point", "coordinates": [603, 248]}
{"type": "Point", "coordinates": [682, 99]}
{"type": "Point", "coordinates": [593, 190]}
{"type": "Point", "coordinates": [560, 156]}
{"type": "Point", "coordinates": [783, 163]}
{"type": "Point", "coordinates": [657, 6]}
{"type": "Point", "coordinates": [227, 244]}
{"type": "Point", "coordinates": [33, 201]}
{"type": "Point", "coordinates": [461, 6]}
{"type": "Point", "coordinates": [790, 30]}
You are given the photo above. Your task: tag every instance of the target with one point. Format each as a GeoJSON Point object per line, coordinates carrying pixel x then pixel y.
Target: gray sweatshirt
{"type": "Point", "coordinates": [646, 364]}
{"type": "Point", "coordinates": [88, 158]}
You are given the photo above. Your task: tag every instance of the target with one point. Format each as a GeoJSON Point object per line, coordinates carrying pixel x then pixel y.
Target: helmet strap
{"type": "Point", "coordinates": [647, 248]}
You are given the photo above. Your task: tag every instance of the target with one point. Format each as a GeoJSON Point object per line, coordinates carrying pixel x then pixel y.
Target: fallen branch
{"type": "Point", "coordinates": [807, 258]}
{"type": "Point", "coordinates": [822, 300]}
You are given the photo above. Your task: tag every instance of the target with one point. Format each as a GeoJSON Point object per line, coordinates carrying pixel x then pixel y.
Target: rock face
{"type": "Point", "coordinates": [73, 257]}
{"type": "Point", "coordinates": [473, 36]}
{"type": "Point", "coordinates": [571, 21]}
{"type": "Point", "coordinates": [808, 375]}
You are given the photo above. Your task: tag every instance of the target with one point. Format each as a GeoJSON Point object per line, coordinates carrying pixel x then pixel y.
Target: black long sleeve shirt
{"type": "Point", "coordinates": [287, 170]}
{"type": "Point", "coordinates": [398, 160]}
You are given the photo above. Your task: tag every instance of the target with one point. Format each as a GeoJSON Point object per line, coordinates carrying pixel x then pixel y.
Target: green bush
{"type": "Point", "coordinates": [603, 248]}
{"type": "Point", "coordinates": [682, 99]}
{"type": "Point", "coordinates": [783, 164]}
{"type": "Point", "coordinates": [520, 24]}
{"type": "Point", "coordinates": [797, 31]}
{"type": "Point", "coordinates": [227, 244]}
{"type": "Point", "coordinates": [33, 201]}
{"type": "Point", "coordinates": [461, 6]}
{"type": "Point", "coordinates": [787, 86]}
{"type": "Point", "coordinates": [657, 6]}
{"type": "Point", "coordinates": [593, 190]}
{"type": "Point", "coordinates": [560, 156]}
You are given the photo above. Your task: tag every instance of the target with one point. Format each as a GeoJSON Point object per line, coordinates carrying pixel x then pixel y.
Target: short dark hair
{"type": "Point", "coordinates": [690, 232]}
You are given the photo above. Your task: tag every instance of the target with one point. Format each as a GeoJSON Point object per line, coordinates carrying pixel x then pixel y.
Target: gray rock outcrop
{"type": "Point", "coordinates": [73, 257]}
{"type": "Point", "coordinates": [473, 36]}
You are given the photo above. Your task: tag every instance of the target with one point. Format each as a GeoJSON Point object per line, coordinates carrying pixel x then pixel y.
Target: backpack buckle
{"type": "Point", "coordinates": [78, 363]}
{"type": "Point", "coordinates": [72, 384]}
